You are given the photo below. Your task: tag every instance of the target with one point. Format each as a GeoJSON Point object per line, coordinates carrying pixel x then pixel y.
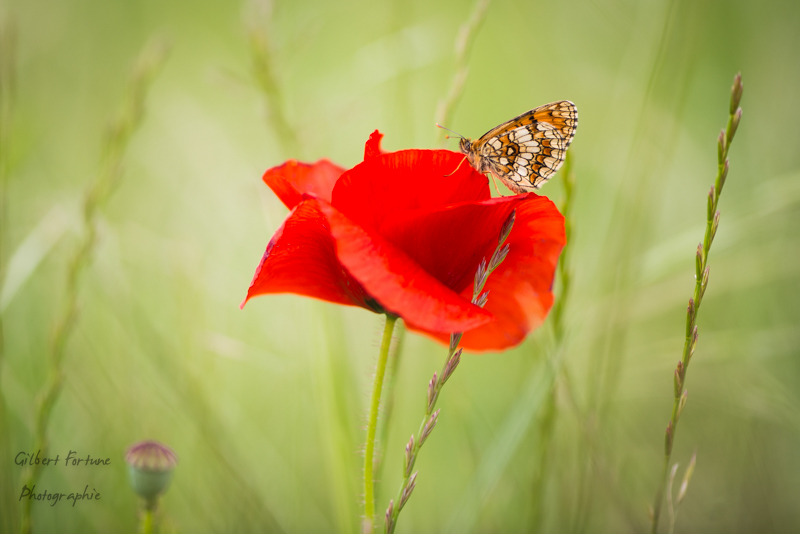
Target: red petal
{"type": "Point", "coordinates": [293, 179]}
{"type": "Point", "coordinates": [520, 293]}
{"type": "Point", "coordinates": [373, 146]}
{"type": "Point", "coordinates": [450, 242]}
{"type": "Point", "coordinates": [409, 179]}
{"type": "Point", "coordinates": [397, 281]}
{"type": "Point", "coordinates": [301, 258]}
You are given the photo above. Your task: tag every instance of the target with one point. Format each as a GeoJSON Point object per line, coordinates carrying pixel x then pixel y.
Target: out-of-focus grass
{"type": "Point", "coordinates": [265, 406]}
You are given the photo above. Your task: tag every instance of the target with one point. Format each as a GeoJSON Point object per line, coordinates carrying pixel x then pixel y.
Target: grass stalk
{"type": "Point", "coordinates": [264, 71]}
{"type": "Point", "coordinates": [548, 417]}
{"type": "Point", "coordinates": [331, 382]}
{"type": "Point", "coordinates": [369, 449]}
{"type": "Point", "coordinates": [701, 283]}
{"type": "Point", "coordinates": [436, 383]}
{"type": "Point", "coordinates": [464, 40]}
{"type": "Point", "coordinates": [7, 90]}
{"type": "Point", "coordinates": [97, 194]}
{"type": "Point", "coordinates": [564, 273]}
{"type": "Point", "coordinates": [687, 477]}
{"type": "Point", "coordinates": [8, 43]}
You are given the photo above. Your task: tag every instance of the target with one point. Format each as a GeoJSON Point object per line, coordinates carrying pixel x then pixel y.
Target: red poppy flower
{"type": "Point", "coordinates": [403, 233]}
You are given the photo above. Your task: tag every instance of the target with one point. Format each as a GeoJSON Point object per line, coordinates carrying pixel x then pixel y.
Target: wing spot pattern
{"type": "Point", "coordinates": [527, 150]}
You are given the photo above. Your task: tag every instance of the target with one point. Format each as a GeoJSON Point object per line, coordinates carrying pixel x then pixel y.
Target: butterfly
{"type": "Point", "coordinates": [526, 151]}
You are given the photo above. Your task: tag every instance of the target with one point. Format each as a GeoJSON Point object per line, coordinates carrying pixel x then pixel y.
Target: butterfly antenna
{"type": "Point", "coordinates": [459, 165]}
{"type": "Point", "coordinates": [449, 130]}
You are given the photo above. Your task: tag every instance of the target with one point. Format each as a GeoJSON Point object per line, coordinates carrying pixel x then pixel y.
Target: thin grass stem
{"type": "Point", "coordinates": [97, 194]}
{"type": "Point", "coordinates": [554, 360]}
{"type": "Point", "coordinates": [701, 283]}
{"type": "Point", "coordinates": [466, 37]}
{"type": "Point", "coordinates": [264, 71]}
{"type": "Point", "coordinates": [8, 43]}
{"type": "Point", "coordinates": [436, 383]}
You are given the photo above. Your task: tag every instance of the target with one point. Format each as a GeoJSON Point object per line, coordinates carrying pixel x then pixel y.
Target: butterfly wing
{"type": "Point", "coordinates": [527, 150]}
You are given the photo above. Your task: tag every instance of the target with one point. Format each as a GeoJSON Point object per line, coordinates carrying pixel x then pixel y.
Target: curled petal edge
{"type": "Point", "coordinates": [396, 281]}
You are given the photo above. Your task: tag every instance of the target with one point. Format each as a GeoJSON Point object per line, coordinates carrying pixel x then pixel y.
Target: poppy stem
{"type": "Point", "coordinates": [146, 525]}
{"type": "Point", "coordinates": [388, 404]}
{"type": "Point", "coordinates": [369, 449]}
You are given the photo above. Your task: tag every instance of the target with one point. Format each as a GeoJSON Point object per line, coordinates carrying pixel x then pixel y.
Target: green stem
{"type": "Point", "coordinates": [147, 521]}
{"type": "Point", "coordinates": [369, 449]}
{"type": "Point", "coordinates": [7, 89]}
{"type": "Point", "coordinates": [436, 383]}
{"type": "Point", "coordinates": [388, 405]}
{"type": "Point", "coordinates": [554, 360]}
{"type": "Point", "coordinates": [701, 282]}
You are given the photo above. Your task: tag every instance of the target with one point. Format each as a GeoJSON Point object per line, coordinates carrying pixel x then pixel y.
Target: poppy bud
{"type": "Point", "coordinates": [150, 466]}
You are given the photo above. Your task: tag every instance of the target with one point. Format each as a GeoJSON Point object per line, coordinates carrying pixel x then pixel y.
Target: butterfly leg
{"type": "Point", "coordinates": [495, 185]}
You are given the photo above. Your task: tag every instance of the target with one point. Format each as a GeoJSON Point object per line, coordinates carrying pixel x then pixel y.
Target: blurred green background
{"type": "Point", "coordinates": [266, 406]}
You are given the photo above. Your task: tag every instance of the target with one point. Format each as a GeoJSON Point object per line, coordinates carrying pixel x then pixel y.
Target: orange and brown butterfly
{"type": "Point", "coordinates": [526, 151]}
